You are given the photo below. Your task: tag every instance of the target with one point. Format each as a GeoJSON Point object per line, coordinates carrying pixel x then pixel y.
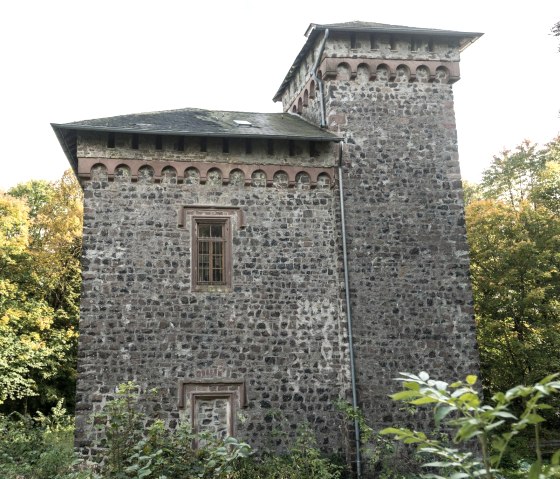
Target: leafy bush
{"type": "Point", "coordinates": [154, 452]}
{"type": "Point", "coordinates": [304, 461]}
{"type": "Point", "coordinates": [459, 408]}
{"type": "Point", "coordinates": [36, 448]}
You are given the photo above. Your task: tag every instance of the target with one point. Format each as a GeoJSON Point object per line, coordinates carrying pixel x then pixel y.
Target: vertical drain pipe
{"type": "Point", "coordinates": [319, 81]}
{"type": "Point", "coordinates": [349, 316]}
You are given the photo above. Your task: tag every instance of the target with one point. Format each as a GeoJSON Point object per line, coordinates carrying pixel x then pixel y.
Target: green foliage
{"type": "Point", "coordinates": [37, 448]}
{"type": "Point", "coordinates": [459, 408]}
{"type": "Point", "coordinates": [304, 461]}
{"type": "Point", "coordinates": [135, 452]}
{"type": "Point", "coordinates": [40, 248]}
{"type": "Point", "coordinates": [513, 228]}
{"type": "Point", "coordinates": [384, 457]}
{"type": "Point", "coordinates": [154, 452]}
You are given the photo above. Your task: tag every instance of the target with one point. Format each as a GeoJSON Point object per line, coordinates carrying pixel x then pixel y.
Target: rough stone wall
{"type": "Point", "coordinates": [408, 256]}
{"type": "Point", "coordinates": [407, 250]}
{"type": "Point", "coordinates": [279, 330]}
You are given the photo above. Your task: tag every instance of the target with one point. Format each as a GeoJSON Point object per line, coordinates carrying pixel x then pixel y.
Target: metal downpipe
{"type": "Point", "coordinates": [349, 316]}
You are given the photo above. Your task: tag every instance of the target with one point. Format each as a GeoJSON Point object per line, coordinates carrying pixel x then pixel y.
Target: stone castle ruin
{"type": "Point", "coordinates": [250, 265]}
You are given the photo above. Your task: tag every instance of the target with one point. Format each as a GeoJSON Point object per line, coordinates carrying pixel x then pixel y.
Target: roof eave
{"type": "Point", "coordinates": [60, 127]}
{"type": "Point", "coordinates": [62, 139]}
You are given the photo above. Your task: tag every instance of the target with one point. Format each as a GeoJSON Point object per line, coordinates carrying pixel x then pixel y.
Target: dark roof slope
{"type": "Point", "coordinates": [314, 29]}
{"type": "Point", "coordinates": [196, 122]}
{"type": "Point", "coordinates": [373, 27]}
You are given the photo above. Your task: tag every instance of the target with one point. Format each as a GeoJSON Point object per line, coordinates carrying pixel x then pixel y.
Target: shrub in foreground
{"type": "Point", "coordinates": [493, 426]}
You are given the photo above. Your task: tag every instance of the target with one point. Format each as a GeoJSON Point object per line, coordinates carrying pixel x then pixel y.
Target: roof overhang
{"type": "Point", "coordinates": [275, 126]}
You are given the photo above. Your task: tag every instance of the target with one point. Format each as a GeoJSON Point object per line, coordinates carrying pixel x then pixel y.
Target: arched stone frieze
{"type": "Point", "coordinates": [403, 73]}
{"type": "Point", "coordinates": [145, 174]}
{"type": "Point", "coordinates": [323, 180]}
{"type": "Point", "coordinates": [303, 181]}
{"type": "Point", "coordinates": [343, 71]}
{"type": "Point", "coordinates": [442, 75]}
{"type": "Point", "coordinates": [192, 176]}
{"type": "Point", "coordinates": [258, 178]}
{"type": "Point", "coordinates": [332, 68]}
{"type": "Point", "coordinates": [237, 178]}
{"type": "Point", "coordinates": [280, 179]}
{"type": "Point", "coordinates": [383, 72]}
{"type": "Point", "coordinates": [169, 175]}
{"type": "Point", "coordinates": [214, 177]}
{"type": "Point", "coordinates": [364, 70]}
{"type": "Point", "coordinates": [422, 74]}
{"type": "Point", "coordinates": [312, 89]}
{"type": "Point", "coordinates": [202, 173]}
{"type": "Point", "coordinates": [122, 173]}
{"type": "Point", "coordinates": [363, 74]}
{"type": "Point", "coordinates": [99, 172]}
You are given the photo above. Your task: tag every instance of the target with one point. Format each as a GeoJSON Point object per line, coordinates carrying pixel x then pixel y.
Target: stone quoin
{"type": "Point", "coordinates": [215, 245]}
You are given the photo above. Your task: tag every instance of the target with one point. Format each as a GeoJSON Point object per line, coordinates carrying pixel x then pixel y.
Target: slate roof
{"type": "Point", "coordinates": [195, 122]}
{"type": "Point", "coordinates": [314, 29]}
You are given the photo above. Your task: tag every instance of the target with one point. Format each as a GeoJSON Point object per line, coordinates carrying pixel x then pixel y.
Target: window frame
{"type": "Point", "coordinates": [214, 287]}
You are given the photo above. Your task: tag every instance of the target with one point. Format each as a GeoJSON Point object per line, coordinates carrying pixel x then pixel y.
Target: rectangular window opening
{"type": "Point", "coordinates": [180, 143]}
{"type": "Point", "coordinates": [248, 146]}
{"type": "Point", "coordinates": [134, 141]}
{"type": "Point", "coordinates": [225, 145]}
{"type": "Point", "coordinates": [270, 147]}
{"type": "Point", "coordinates": [211, 253]}
{"type": "Point", "coordinates": [111, 140]}
{"type": "Point", "coordinates": [159, 142]}
{"type": "Point", "coordinates": [352, 40]}
{"type": "Point", "coordinates": [393, 43]}
{"type": "Point", "coordinates": [313, 149]}
{"type": "Point", "coordinates": [431, 45]}
{"type": "Point", "coordinates": [291, 148]}
{"type": "Point", "coordinates": [373, 42]}
{"type": "Point", "coordinates": [203, 145]}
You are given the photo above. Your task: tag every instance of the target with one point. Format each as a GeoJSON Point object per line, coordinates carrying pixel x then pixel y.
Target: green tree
{"type": "Point", "coordinates": [40, 245]}
{"type": "Point", "coordinates": [513, 228]}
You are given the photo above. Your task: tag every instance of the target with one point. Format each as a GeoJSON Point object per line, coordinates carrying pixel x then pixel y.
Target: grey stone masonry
{"type": "Point", "coordinates": [411, 298]}
{"type": "Point", "coordinates": [279, 330]}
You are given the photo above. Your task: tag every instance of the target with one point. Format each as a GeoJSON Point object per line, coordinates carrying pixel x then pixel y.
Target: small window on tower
{"type": "Point", "coordinates": [211, 254]}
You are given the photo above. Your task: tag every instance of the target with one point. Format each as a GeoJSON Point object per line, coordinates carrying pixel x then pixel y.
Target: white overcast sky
{"type": "Point", "coordinates": [64, 61]}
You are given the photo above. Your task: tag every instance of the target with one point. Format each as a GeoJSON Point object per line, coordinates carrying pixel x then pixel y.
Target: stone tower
{"type": "Point", "coordinates": [387, 90]}
{"type": "Point", "coordinates": [230, 257]}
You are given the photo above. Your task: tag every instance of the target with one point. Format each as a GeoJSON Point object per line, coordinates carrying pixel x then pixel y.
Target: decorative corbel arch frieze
{"type": "Point", "coordinates": [206, 173]}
